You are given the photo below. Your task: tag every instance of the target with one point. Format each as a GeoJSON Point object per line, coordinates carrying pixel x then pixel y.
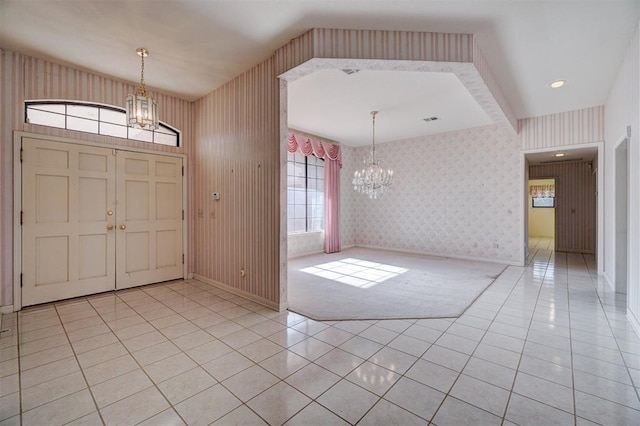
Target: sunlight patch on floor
{"type": "Point", "coordinates": [355, 272]}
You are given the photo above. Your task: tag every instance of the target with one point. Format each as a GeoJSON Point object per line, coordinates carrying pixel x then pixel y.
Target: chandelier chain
{"type": "Point", "coordinates": [142, 70]}
{"type": "Point", "coordinates": [373, 138]}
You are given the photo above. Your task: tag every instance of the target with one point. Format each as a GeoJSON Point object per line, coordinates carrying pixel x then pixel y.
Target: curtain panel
{"type": "Point", "coordinates": [332, 156]}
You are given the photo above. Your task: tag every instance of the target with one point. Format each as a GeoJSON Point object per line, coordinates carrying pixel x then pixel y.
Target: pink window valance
{"type": "Point", "coordinates": [308, 145]}
{"type": "Point", "coordinates": [542, 191]}
{"type": "Point", "coordinates": [332, 155]}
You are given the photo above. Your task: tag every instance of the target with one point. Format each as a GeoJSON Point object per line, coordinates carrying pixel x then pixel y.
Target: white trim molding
{"type": "Point", "coordinates": [6, 309]}
{"type": "Point", "coordinates": [17, 198]}
{"type": "Point", "coordinates": [600, 192]}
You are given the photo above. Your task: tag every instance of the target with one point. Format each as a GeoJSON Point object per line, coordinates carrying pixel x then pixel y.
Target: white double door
{"type": "Point", "coordinates": [97, 219]}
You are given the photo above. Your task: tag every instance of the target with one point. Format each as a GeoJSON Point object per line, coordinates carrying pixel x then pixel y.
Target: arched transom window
{"type": "Point", "coordinates": [94, 118]}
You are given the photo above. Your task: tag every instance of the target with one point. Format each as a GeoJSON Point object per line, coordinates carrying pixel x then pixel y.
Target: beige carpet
{"type": "Point", "coordinates": [360, 283]}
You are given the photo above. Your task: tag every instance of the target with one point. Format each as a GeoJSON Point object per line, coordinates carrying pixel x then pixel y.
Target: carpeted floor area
{"type": "Point", "coordinates": [360, 283]}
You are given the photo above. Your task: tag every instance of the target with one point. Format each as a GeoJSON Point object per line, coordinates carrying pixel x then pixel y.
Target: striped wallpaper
{"type": "Point", "coordinates": [566, 128]}
{"type": "Point", "coordinates": [240, 134]}
{"type": "Point", "coordinates": [237, 153]}
{"type": "Point", "coordinates": [234, 140]}
{"type": "Point", "coordinates": [25, 77]}
{"type": "Point", "coordinates": [575, 204]}
{"type": "Point", "coordinates": [392, 45]}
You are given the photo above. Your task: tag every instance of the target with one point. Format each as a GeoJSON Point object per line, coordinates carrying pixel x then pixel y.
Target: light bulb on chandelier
{"type": "Point", "coordinates": [373, 180]}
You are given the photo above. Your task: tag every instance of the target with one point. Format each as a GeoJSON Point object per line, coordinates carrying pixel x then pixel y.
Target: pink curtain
{"type": "Point", "coordinates": [332, 165]}
{"type": "Point", "coordinates": [331, 206]}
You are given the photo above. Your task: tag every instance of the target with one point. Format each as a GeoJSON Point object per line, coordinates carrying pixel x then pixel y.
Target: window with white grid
{"type": "Point", "coordinates": [305, 193]}
{"type": "Point", "coordinates": [97, 119]}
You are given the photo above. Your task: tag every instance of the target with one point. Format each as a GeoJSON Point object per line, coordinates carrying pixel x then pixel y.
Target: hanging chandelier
{"type": "Point", "coordinates": [372, 180]}
{"type": "Point", "coordinates": [142, 109]}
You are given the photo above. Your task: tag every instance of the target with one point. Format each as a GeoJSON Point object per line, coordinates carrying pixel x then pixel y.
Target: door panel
{"type": "Point", "coordinates": [149, 234]}
{"type": "Point", "coordinates": [67, 250]}
{"type": "Point", "coordinates": [72, 194]}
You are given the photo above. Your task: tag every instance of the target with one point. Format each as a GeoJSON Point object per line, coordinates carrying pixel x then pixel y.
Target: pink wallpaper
{"type": "Point", "coordinates": [240, 129]}
{"type": "Point", "coordinates": [238, 155]}
{"type": "Point", "coordinates": [235, 143]}
{"type": "Point", "coordinates": [392, 45]}
{"type": "Point", "coordinates": [567, 128]}
{"type": "Point", "coordinates": [25, 77]}
{"type": "Point", "coordinates": [455, 194]}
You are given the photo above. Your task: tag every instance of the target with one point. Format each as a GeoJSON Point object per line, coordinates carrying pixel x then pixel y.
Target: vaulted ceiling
{"type": "Point", "coordinates": [196, 46]}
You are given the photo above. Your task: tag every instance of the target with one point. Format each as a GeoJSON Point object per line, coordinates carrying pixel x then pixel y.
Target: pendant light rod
{"type": "Point", "coordinates": [373, 137]}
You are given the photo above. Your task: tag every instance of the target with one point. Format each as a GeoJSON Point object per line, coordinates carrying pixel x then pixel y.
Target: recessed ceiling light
{"type": "Point", "coordinates": [559, 154]}
{"type": "Point", "coordinates": [557, 84]}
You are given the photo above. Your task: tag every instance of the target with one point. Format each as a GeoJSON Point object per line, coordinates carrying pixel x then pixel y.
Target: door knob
{"type": "Point", "coordinates": [110, 212]}
{"type": "Point", "coordinates": [109, 227]}
{"type": "Point", "coordinates": [123, 226]}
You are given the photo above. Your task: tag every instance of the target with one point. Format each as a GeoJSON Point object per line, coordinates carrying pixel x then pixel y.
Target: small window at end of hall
{"type": "Point", "coordinates": [93, 118]}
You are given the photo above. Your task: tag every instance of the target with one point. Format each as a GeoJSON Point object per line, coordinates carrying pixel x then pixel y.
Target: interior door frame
{"type": "Point", "coordinates": [599, 198]}
{"type": "Point", "coordinates": [17, 199]}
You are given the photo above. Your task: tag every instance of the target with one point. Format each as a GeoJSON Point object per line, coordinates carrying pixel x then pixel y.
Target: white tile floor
{"type": "Point", "coordinates": [546, 344]}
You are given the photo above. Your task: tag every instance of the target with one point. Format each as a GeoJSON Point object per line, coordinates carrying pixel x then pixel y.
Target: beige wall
{"type": "Point", "coordinates": [541, 221]}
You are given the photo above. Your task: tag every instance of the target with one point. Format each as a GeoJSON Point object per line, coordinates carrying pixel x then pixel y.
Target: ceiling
{"type": "Point", "coordinates": [196, 46]}
{"type": "Point", "coordinates": [337, 106]}
{"type": "Point", "coordinates": [562, 156]}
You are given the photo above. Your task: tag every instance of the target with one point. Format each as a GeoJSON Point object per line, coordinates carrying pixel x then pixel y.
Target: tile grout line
{"type": "Point", "coordinates": [624, 361]}
{"type": "Point", "coordinates": [154, 384]}
{"type": "Point", "coordinates": [75, 355]}
{"type": "Point", "coordinates": [515, 377]}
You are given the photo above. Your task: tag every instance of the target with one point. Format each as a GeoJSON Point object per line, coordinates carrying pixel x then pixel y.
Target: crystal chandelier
{"type": "Point", "coordinates": [372, 180]}
{"type": "Point", "coordinates": [142, 109]}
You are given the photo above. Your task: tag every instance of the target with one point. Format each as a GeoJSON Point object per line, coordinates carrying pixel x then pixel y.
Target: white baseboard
{"type": "Point", "coordinates": [261, 300]}
{"type": "Point", "coordinates": [307, 253]}
{"type": "Point", "coordinates": [452, 256]}
{"type": "Point", "coordinates": [190, 276]}
{"type": "Point", "coordinates": [6, 309]}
